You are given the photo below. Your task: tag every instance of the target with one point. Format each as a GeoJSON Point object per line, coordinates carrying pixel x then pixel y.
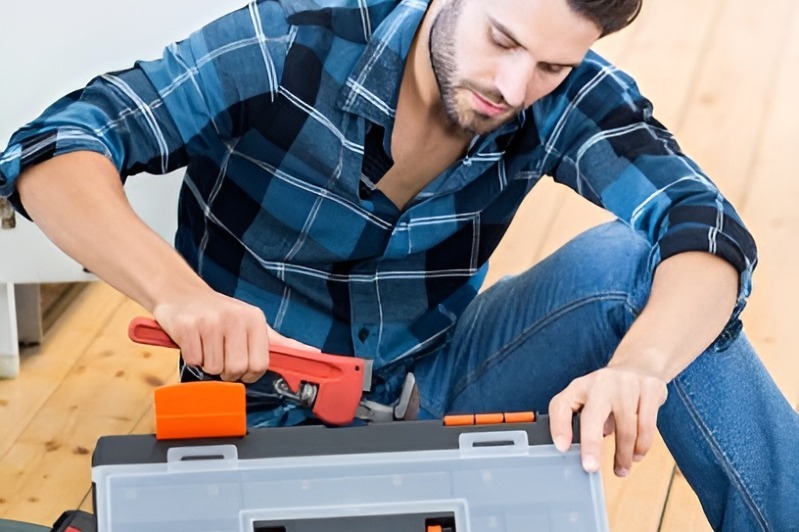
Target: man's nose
{"type": "Point", "coordinates": [515, 81]}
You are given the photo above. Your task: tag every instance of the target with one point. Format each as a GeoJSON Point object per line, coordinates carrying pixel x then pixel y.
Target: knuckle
{"type": "Point", "coordinates": [192, 358]}
{"type": "Point", "coordinates": [646, 424]}
{"type": "Point", "coordinates": [235, 365]}
{"type": "Point", "coordinates": [556, 404]}
{"type": "Point", "coordinates": [259, 365]}
{"type": "Point", "coordinates": [257, 314]}
{"type": "Point", "coordinates": [641, 448]}
{"type": "Point", "coordinates": [212, 367]}
{"type": "Point", "coordinates": [193, 319]}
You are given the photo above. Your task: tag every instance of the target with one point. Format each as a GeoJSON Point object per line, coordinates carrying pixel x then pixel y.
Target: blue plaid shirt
{"type": "Point", "coordinates": [270, 108]}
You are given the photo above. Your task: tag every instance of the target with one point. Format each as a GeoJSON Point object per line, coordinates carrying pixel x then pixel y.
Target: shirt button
{"type": "Point", "coordinates": [363, 334]}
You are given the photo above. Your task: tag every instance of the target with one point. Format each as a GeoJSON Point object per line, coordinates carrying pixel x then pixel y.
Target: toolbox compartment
{"type": "Point", "coordinates": [396, 477]}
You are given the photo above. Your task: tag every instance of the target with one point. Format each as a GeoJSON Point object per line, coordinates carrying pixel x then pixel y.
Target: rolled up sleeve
{"type": "Point", "coordinates": [602, 140]}
{"type": "Point", "coordinates": [156, 115]}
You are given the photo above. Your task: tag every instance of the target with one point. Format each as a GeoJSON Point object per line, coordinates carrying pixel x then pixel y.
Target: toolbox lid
{"type": "Point", "coordinates": [490, 478]}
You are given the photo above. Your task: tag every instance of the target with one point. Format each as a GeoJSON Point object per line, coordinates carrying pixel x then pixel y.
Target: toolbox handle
{"type": "Point", "coordinates": [505, 442]}
{"type": "Point", "coordinates": [204, 456]}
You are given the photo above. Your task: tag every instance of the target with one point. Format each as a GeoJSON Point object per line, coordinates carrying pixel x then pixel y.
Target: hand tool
{"type": "Point", "coordinates": [331, 386]}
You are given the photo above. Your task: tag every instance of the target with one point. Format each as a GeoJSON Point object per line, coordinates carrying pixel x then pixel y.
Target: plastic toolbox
{"type": "Point", "coordinates": [396, 477]}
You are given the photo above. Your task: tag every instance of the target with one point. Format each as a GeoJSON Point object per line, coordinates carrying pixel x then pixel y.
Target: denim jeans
{"type": "Point", "coordinates": [729, 428]}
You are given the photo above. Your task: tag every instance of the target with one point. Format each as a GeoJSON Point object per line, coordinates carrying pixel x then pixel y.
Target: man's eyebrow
{"type": "Point", "coordinates": [504, 29]}
{"type": "Point", "coordinates": [509, 34]}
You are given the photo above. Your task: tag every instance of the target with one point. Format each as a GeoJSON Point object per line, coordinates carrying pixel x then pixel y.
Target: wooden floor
{"type": "Point", "coordinates": [723, 76]}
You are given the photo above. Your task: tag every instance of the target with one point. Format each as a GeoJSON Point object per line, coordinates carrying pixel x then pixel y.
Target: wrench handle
{"type": "Point", "coordinates": [148, 332]}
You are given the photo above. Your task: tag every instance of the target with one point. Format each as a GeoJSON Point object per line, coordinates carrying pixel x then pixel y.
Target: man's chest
{"type": "Point", "coordinates": [417, 160]}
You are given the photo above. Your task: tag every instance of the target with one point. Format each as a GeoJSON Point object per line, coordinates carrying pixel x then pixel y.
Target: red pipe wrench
{"type": "Point", "coordinates": [331, 385]}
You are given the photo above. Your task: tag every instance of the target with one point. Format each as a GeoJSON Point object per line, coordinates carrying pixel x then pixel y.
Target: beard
{"type": "Point", "coordinates": [455, 92]}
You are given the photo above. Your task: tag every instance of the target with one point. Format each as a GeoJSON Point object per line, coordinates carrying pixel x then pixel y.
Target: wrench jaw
{"type": "Point", "coordinates": [305, 396]}
{"type": "Point", "coordinates": [374, 412]}
{"type": "Point", "coordinates": [370, 411]}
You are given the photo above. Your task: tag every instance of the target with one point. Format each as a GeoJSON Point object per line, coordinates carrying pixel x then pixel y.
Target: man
{"type": "Point", "coordinates": [350, 168]}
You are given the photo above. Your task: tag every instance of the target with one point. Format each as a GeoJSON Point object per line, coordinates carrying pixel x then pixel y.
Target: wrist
{"type": "Point", "coordinates": [651, 361]}
{"type": "Point", "coordinates": [167, 287]}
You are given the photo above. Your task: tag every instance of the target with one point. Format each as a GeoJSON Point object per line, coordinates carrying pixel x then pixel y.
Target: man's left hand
{"type": "Point", "coordinates": [613, 399]}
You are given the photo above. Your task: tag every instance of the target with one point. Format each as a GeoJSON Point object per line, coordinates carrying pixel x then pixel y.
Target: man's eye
{"type": "Point", "coordinates": [502, 40]}
{"type": "Point", "coordinates": [552, 69]}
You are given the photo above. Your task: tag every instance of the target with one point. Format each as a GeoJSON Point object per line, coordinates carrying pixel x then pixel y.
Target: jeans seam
{"type": "Point", "coordinates": [723, 460]}
{"type": "Point", "coordinates": [491, 360]}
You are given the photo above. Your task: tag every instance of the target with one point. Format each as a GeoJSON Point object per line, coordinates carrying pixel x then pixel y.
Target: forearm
{"type": "Point", "coordinates": [693, 295]}
{"type": "Point", "coordinates": [78, 201]}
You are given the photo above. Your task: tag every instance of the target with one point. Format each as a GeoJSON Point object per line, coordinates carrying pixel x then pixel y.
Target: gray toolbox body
{"type": "Point", "coordinates": [396, 477]}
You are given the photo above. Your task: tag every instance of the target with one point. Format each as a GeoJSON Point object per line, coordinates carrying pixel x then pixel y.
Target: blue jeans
{"type": "Point", "coordinates": [729, 428]}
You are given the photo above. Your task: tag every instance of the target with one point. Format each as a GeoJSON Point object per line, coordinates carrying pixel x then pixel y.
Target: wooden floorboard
{"type": "Point", "coordinates": [46, 366]}
{"type": "Point", "coordinates": [770, 208]}
{"type": "Point", "coordinates": [722, 75]}
{"type": "Point", "coordinates": [104, 392]}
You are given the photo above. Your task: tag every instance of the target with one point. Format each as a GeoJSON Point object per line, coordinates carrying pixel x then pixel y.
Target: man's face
{"type": "Point", "coordinates": [493, 58]}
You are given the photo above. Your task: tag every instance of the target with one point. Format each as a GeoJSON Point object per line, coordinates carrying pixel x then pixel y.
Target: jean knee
{"type": "Point", "coordinates": [607, 259]}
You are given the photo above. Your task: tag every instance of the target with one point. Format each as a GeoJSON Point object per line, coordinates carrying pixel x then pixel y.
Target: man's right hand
{"type": "Point", "coordinates": [221, 335]}
{"type": "Point", "coordinates": [78, 201]}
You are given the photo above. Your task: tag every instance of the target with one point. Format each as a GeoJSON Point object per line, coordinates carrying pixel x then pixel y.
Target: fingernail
{"type": "Point", "coordinates": [561, 444]}
{"type": "Point", "coordinates": [622, 472]}
{"type": "Point", "coordinates": [590, 464]}
{"type": "Point", "coordinates": [638, 457]}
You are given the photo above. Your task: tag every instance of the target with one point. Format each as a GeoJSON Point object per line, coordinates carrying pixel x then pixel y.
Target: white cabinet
{"type": "Point", "coordinates": [48, 49]}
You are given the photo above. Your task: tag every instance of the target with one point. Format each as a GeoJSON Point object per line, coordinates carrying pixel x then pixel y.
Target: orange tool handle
{"type": "Point", "coordinates": [340, 379]}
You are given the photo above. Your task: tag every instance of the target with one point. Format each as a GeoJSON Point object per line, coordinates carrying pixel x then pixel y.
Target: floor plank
{"type": "Point", "coordinates": [44, 367]}
{"type": "Point", "coordinates": [683, 513]}
{"type": "Point", "coordinates": [769, 208]}
{"type": "Point", "coordinates": [730, 100]}
{"type": "Point", "coordinates": [48, 468]}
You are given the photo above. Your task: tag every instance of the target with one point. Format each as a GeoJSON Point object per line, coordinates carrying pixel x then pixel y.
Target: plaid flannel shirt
{"type": "Point", "coordinates": [268, 109]}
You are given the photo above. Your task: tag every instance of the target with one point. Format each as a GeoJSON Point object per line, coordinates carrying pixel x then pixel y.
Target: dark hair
{"type": "Point", "coordinates": [609, 15]}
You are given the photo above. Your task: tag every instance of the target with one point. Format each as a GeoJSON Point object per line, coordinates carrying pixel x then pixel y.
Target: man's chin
{"type": "Point", "coordinates": [478, 124]}
{"type": "Point", "coordinates": [472, 122]}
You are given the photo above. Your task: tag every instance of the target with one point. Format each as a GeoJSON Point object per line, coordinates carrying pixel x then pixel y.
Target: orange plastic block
{"type": "Point", "coordinates": [488, 419]}
{"type": "Point", "coordinates": [434, 528]}
{"type": "Point", "coordinates": [205, 409]}
{"type": "Point", "coordinates": [519, 417]}
{"type": "Point", "coordinates": [459, 420]}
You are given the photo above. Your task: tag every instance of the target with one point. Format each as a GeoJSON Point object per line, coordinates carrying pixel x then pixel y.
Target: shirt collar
{"type": "Point", "coordinates": [372, 88]}
{"type": "Point", "coordinates": [352, 20]}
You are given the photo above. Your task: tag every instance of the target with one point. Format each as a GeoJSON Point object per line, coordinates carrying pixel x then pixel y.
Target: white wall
{"type": "Point", "coordinates": [49, 48]}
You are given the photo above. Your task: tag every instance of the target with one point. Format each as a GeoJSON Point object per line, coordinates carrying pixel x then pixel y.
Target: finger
{"type": "Point", "coordinates": [592, 421]}
{"type": "Point", "coordinates": [235, 356]}
{"type": "Point", "coordinates": [561, 412]}
{"type": "Point", "coordinates": [626, 421]}
{"type": "Point", "coordinates": [648, 407]}
{"type": "Point", "coordinates": [258, 352]}
{"type": "Point", "coordinates": [275, 338]}
{"type": "Point", "coordinates": [213, 351]}
{"type": "Point", "coordinates": [610, 426]}
{"type": "Point", "coordinates": [191, 348]}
